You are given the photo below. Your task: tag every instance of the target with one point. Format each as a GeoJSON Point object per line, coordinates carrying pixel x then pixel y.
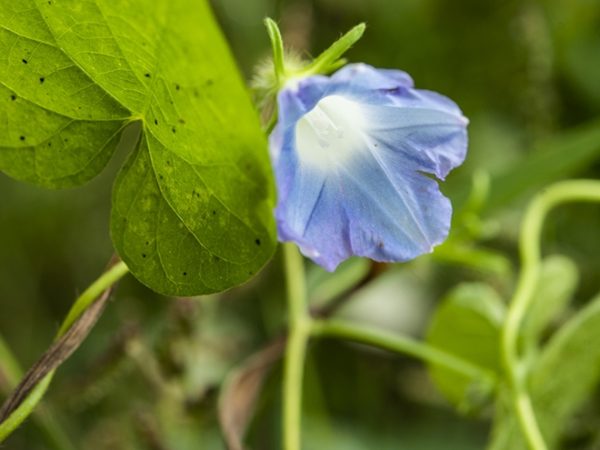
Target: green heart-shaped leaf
{"type": "Point", "coordinates": [192, 207]}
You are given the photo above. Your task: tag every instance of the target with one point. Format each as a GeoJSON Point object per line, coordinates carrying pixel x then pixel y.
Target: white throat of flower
{"type": "Point", "coordinates": [330, 133]}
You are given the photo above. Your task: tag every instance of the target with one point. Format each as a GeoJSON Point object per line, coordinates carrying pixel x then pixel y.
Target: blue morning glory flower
{"type": "Point", "coordinates": [356, 157]}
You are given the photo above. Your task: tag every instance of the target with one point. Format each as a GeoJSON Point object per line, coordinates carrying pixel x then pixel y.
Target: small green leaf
{"type": "Point", "coordinates": [555, 288]}
{"type": "Point", "coordinates": [467, 324]}
{"type": "Point", "coordinates": [330, 59]}
{"type": "Point", "coordinates": [562, 388]}
{"type": "Point", "coordinates": [566, 373]}
{"type": "Point", "coordinates": [192, 208]}
{"type": "Point", "coordinates": [277, 46]}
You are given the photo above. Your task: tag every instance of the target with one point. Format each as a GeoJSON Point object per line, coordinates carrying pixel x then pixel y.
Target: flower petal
{"type": "Point", "coordinates": [350, 155]}
{"type": "Point", "coordinates": [433, 140]}
{"type": "Point", "coordinates": [367, 77]}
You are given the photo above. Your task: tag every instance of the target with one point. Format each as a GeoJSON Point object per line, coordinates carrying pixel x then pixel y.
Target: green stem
{"type": "Point", "coordinates": [529, 246]}
{"type": "Point", "coordinates": [298, 336]}
{"type": "Point", "coordinates": [10, 369]}
{"type": "Point", "coordinates": [369, 335]}
{"type": "Point", "coordinates": [26, 408]}
{"type": "Point", "coordinates": [108, 278]}
{"type": "Point", "coordinates": [81, 304]}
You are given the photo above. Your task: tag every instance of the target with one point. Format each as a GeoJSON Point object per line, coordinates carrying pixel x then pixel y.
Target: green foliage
{"type": "Point", "coordinates": [559, 389]}
{"type": "Point", "coordinates": [555, 289]}
{"type": "Point", "coordinates": [192, 207]}
{"type": "Point", "coordinates": [558, 157]}
{"type": "Point", "coordinates": [575, 32]}
{"type": "Point", "coordinates": [526, 75]}
{"type": "Point", "coordinates": [563, 376]}
{"type": "Point", "coordinates": [467, 324]}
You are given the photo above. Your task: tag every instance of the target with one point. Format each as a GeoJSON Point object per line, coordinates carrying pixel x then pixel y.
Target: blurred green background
{"type": "Point", "coordinates": [526, 73]}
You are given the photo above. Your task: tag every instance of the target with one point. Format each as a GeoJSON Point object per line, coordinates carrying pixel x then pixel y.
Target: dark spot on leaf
{"type": "Point", "coordinates": [42, 79]}
{"type": "Point", "coordinates": [168, 163]}
{"type": "Point", "coordinates": [147, 242]}
{"type": "Point", "coordinates": [196, 93]}
{"type": "Point", "coordinates": [177, 87]}
{"type": "Point", "coordinates": [210, 82]}
{"type": "Point", "coordinates": [143, 255]}
{"type": "Point", "coordinates": [155, 121]}
{"type": "Point", "coordinates": [174, 130]}
{"type": "Point", "coordinates": [215, 258]}
{"type": "Point", "coordinates": [22, 138]}
{"type": "Point", "coordinates": [24, 61]}
{"type": "Point", "coordinates": [185, 274]}
{"type": "Point", "coordinates": [161, 177]}
{"type": "Point", "coordinates": [49, 144]}
{"type": "Point", "coordinates": [214, 212]}
{"type": "Point", "coordinates": [13, 97]}
{"type": "Point", "coordinates": [147, 75]}
{"type": "Point", "coordinates": [257, 242]}
{"type": "Point", "coordinates": [66, 139]}
{"type": "Point", "coordinates": [181, 121]}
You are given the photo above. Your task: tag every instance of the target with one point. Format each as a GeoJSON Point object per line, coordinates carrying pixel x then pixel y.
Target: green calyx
{"type": "Point", "coordinates": [288, 67]}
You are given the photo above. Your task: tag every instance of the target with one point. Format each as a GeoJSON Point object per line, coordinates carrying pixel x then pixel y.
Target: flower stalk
{"type": "Point", "coordinates": [299, 327]}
